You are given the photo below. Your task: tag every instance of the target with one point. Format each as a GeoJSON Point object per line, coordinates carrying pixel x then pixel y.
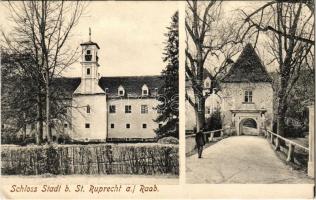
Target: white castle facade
{"type": "Point", "coordinates": [111, 108]}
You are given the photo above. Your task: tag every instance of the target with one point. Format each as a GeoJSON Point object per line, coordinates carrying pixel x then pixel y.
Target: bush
{"type": "Point", "coordinates": [214, 122]}
{"type": "Point", "coordinates": [292, 131]}
{"type": "Point", "coordinates": [90, 159]}
{"type": "Point", "coordinates": [168, 140]}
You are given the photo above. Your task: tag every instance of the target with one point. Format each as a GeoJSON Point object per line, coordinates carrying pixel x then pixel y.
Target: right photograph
{"type": "Point", "coordinates": [250, 92]}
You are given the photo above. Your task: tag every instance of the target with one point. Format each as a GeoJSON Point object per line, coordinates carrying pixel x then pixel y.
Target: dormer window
{"type": "Point", "coordinates": [88, 56]}
{"type": "Point", "coordinates": [145, 90]}
{"type": "Point", "coordinates": [207, 83]}
{"type": "Point", "coordinates": [121, 91]}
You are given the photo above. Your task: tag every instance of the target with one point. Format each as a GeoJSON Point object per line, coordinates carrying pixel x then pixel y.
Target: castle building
{"type": "Point", "coordinates": [111, 108]}
{"type": "Point", "coordinates": [247, 93]}
{"type": "Point", "coordinates": [245, 96]}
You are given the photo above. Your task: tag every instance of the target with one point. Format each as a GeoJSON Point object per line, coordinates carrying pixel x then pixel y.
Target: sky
{"type": "Point", "coordinates": [130, 36]}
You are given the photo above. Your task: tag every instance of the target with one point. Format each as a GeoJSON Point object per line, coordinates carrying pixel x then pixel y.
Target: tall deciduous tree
{"type": "Point", "coordinates": [206, 37]}
{"type": "Point", "coordinates": [41, 29]}
{"type": "Point", "coordinates": [290, 29]}
{"type": "Point", "coordinates": [169, 99]}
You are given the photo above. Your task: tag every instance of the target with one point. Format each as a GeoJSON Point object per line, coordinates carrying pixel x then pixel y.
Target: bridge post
{"type": "Point", "coordinates": [311, 139]}
{"type": "Point", "coordinates": [212, 136]}
{"type": "Point", "coordinates": [290, 153]}
{"type": "Point", "coordinates": [277, 144]}
{"type": "Point", "coordinates": [271, 138]}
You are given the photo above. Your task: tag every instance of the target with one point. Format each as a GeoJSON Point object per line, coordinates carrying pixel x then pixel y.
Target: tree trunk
{"type": "Point", "coordinates": [39, 132]}
{"type": "Point", "coordinates": [281, 111]}
{"type": "Point", "coordinates": [48, 127]}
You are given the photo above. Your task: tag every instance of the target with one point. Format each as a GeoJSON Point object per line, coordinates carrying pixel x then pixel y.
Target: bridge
{"type": "Point", "coordinates": [241, 159]}
{"type": "Point", "coordinates": [250, 158]}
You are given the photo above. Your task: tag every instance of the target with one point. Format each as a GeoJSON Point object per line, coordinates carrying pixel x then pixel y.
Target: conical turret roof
{"type": "Point", "coordinates": [247, 68]}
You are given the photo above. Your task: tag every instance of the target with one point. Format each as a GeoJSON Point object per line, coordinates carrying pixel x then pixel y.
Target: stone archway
{"type": "Point", "coordinates": [248, 126]}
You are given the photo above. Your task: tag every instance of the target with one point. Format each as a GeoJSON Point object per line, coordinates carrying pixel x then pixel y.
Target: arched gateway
{"type": "Point", "coordinates": [247, 95]}
{"type": "Point", "coordinates": [248, 126]}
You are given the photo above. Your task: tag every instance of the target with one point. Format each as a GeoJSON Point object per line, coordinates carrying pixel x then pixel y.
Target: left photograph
{"type": "Point", "coordinates": [90, 89]}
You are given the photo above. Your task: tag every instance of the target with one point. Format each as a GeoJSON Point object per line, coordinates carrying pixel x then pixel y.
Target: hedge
{"type": "Point", "coordinates": [147, 159]}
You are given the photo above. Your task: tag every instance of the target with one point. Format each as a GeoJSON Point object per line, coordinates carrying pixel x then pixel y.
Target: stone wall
{"type": "Point", "coordinates": [233, 99]}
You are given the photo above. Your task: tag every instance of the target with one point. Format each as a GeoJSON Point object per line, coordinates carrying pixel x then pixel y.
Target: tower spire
{"type": "Point", "coordinates": [89, 34]}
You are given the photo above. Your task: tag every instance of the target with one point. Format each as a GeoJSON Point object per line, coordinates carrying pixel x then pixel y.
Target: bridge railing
{"type": "Point", "coordinates": [275, 141]}
{"type": "Point", "coordinates": [212, 133]}
{"type": "Point", "coordinates": [190, 143]}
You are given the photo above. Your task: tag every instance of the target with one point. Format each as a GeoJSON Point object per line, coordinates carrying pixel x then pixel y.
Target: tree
{"type": "Point", "coordinates": [41, 29]}
{"type": "Point", "coordinates": [169, 106]}
{"type": "Point", "coordinates": [17, 99]}
{"type": "Point", "coordinates": [290, 29]}
{"type": "Point", "coordinates": [207, 36]}
{"type": "Point", "coordinates": [214, 121]}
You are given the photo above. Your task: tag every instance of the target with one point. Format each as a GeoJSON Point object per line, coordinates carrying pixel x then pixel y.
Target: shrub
{"type": "Point", "coordinates": [90, 159]}
{"type": "Point", "coordinates": [168, 140]}
{"type": "Point", "coordinates": [214, 122]}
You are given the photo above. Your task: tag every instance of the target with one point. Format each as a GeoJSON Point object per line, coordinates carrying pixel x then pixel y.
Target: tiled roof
{"type": "Point", "coordinates": [247, 68]}
{"type": "Point", "coordinates": [132, 84]}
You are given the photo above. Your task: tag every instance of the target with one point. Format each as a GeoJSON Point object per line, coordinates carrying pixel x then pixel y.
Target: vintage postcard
{"type": "Point", "coordinates": [157, 99]}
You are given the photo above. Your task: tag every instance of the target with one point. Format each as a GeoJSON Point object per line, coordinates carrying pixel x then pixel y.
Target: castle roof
{"type": "Point", "coordinates": [131, 84]}
{"type": "Point", "coordinates": [89, 43]}
{"type": "Point", "coordinates": [247, 68]}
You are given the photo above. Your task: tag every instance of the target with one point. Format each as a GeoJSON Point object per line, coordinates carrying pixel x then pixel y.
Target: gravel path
{"type": "Point", "coordinates": [241, 159]}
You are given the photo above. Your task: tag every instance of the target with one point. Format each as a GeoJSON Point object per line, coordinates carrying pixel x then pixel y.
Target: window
{"type": "Point", "coordinates": [88, 71]}
{"type": "Point", "coordinates": [248, 96]}
{"type": "Point", "coordinates": [112, 109]}
{"type": "Point", "coordinates": [128, 109]}
{"type": "Point", "coordinates": [65, 125]}
{"type": "Point", "coordinates": [87, 125]}
{"type": "Point", "coordinates": [121, 91]}
{"type": "Point", "coordinates": [145, 90]}
{"type": "Point", "coordinates": [128, 126]}
{"type": "Point", "coordinates": [144, 109]}
{"type": "Point", "coordinates": [144, 125]}
{"type": "Point", "coordinates": [208, 110]}
{"type": "Point", "coordinates": [88, 56]}
{"type": "Point", "coordinates": [112, 125]}
{"type": "Point", "coordinates": [88, 109]}
{"type": "Point", "coordinates": [207, 84]}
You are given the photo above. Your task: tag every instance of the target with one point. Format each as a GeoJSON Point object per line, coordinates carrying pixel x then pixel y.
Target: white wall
{"type": "Point", "coordinates": [233, 99]}
{"type": "Point", "coordinates": [136, 119]}
{"type": "Point", "coordinates": [96, 118]}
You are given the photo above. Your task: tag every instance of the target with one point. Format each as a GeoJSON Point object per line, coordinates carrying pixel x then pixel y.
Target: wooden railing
{"type": "Point", "coordinates": [275, 140]}
{"type": "Point", "coordinates": [212, 133]}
